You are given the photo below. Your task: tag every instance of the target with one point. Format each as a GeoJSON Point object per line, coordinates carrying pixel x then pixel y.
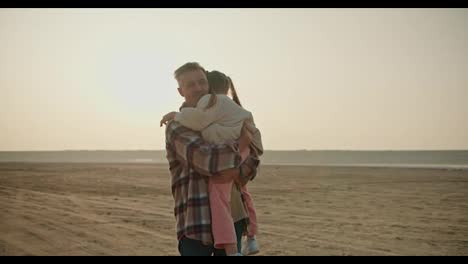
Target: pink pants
{"type": "Point", "coordinates": [222, 223]}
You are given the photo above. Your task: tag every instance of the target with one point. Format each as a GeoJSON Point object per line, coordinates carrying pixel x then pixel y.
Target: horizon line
{"type": "Point", "coordinates": [71, 150]}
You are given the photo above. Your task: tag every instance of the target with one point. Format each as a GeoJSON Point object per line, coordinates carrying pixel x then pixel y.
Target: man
{"type": "Point", "coordinates": [192, 161]}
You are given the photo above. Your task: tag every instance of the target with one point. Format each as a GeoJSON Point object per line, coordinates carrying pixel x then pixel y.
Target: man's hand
{"type": "Point", "coordinates": [167, 118]}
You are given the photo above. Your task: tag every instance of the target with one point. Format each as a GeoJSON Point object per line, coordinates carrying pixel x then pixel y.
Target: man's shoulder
{"type": "Point", "coordinates": [175, 128]}
{"type": "Point", "coordinates": [172, 126]}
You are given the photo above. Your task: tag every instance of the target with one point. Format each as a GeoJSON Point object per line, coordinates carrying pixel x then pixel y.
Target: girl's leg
{"type": "Point", "coordinates": [222, 224]}
{"type": "Point", "coordinates": [252, 228]}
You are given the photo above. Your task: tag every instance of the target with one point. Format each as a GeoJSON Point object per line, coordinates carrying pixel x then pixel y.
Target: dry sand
{"type": "Point", "coordinates": [126, 209]}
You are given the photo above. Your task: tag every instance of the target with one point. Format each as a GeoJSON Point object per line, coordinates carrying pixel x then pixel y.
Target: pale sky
{"type": "Point", "coordinates": [361, 79]}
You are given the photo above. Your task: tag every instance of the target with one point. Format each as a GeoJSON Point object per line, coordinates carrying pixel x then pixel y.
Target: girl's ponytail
{"type": "Point", "coordinates": [233, 92]}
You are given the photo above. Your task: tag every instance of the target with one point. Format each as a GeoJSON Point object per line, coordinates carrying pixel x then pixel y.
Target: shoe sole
{"type": "Point", "coordinates": [252, 253]}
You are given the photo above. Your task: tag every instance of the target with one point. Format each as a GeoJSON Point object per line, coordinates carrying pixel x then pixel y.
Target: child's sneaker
{"type": "Point", "coordinates": [250, 246]}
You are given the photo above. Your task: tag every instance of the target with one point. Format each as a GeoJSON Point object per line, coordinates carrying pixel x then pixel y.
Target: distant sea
{"type": "Point", "coordinates": [427, 159]}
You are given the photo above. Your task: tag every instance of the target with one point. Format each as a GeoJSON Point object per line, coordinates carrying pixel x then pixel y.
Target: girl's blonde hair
{"type": "Point", "coordinates": [220, 84]}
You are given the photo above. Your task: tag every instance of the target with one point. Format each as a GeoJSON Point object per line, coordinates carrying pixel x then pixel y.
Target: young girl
{"type": "Point", "coordinates": [220, 120]}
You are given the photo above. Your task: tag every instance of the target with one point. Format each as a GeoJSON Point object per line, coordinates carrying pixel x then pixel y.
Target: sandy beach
{"type": "Point", "coordinates": [126, 209]}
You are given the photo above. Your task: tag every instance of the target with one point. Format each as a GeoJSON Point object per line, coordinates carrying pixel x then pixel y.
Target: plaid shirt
{"type": "Point", "coordinates": [190, 161]}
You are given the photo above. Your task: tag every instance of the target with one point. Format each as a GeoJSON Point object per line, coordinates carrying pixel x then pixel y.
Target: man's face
{"type": "Point", "coordinates": [192, 86]}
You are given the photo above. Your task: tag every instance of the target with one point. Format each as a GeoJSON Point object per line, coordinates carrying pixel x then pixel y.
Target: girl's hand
{"type": "Point", "coordinates": [167, 118]}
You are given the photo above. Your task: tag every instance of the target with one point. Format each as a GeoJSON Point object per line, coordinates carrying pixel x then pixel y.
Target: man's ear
{"type": "Point", "coordinates": [180, 92]}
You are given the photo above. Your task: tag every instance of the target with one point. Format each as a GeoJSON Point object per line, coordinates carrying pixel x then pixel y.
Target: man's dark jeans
{"type": "Point", "coordinates": [190, 247]}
